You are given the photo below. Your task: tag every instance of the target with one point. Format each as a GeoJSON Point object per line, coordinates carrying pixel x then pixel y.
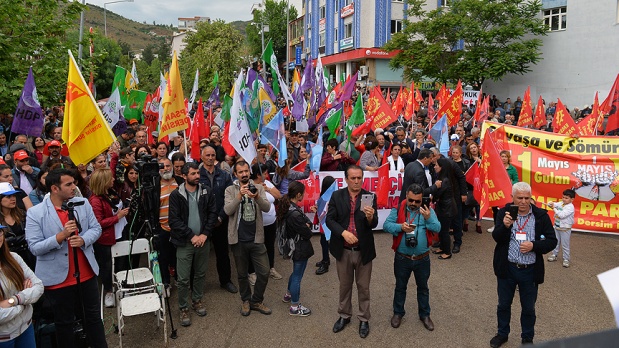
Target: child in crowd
{"type": "Point", "coordinates": [564, 219]}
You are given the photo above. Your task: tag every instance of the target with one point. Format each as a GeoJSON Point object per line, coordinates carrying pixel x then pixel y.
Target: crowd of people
{"type": "Point", "coordinates": [223, 202]}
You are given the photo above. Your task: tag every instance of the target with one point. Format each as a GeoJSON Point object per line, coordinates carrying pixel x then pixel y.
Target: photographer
{"type": "Point", "coordinates": [408, 225]}
{"type": "Point", "coordinates": [53, 239]}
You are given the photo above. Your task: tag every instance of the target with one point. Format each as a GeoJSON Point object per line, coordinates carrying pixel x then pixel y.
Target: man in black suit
{"type": "Point", "coordinates": [417, 172]}
{"type": "Point", "coordinates": [352, 245]}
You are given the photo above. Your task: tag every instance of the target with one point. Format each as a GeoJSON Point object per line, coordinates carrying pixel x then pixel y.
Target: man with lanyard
{"type": "Point", "coordinates": [518, 262]}
{"type": "Point", "coordinates": [53, 239]}
{"type": "Point", "coordinates": [408, 225]}
{"type": "Point", "coordinates": [218, 180]}
{"type": "Point", "coordinates": [167, 255]}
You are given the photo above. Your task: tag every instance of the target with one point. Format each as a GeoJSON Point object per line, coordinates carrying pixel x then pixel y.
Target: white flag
{"type": "Point", "coordinates": [112, 110]}
{"type": "Point", "coordinates": [134, 73]}
{"type": "Point", "coordinates": [194, 91]}
{"type": "Point", "coordinates": [240, 135]}
{"type": "Point", "coordinates": [163, 84]}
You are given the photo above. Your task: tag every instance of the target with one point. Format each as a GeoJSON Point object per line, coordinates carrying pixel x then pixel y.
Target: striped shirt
{"type": "Point", "coordinates": [164, 203]}
{"type": "Point", "coordinates": [525, 223]}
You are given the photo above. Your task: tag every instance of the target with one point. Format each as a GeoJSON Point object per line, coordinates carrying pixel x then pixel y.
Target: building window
{"type": "Point", "coordinates": [335, 35]}
{"type": "Point", "coordinates": [322, 39]}
{"type": "Point", "coordinates": [348, 30]}
{"type": "Point", "coordinates": [443, 3]}
{"type": "Point", "coordinates": [347, 2]}
{"type": "Point", "coordinates": [323, 12]}
{"type": "Point", "coordinates": [396, 26]}
{"type": "Point", "coordinates": [556, 18]}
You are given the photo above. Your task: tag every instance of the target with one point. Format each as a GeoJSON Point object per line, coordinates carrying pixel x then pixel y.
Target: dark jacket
{"type": "Point", "coordinates": [502, 235]}
{"type": "Point", "coordinates": [296, 224]}
{"type": "Point", "coordinates": [102, 208]}
{"type": "Point", "coordinates": [221, 180]}
{"type": "Point", "coordinates": [445, 200]}
{"type": "Point", "coordinates": [415, 174]}
{"type": "Point", "coordinates": [180, 233]}
{"type": "Point", "coordinates": [32, 178]}
{"type": "Point", "coordinates": [338, 218]}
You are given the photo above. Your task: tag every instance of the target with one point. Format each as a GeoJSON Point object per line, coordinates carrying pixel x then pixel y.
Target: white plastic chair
{"type": "Point", "coordinates": [136, 290]}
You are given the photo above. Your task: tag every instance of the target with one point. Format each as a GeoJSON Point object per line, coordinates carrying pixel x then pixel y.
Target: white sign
{"type": "Point", "coordinates": [347, 10]}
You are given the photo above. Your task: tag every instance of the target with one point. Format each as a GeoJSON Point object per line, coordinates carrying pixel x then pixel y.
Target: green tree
{"type": "Point", "coordinates": [471, 40]}
{"type": "Point", "coordinates": [33, 33]}
{"type": "Point", "coordinates": [148, 55]}
{"type": "Point", "coordinates": [215, 47]}
{"type": "Point", "coordinates": [273, 15]}
{"type": "Point", "coordinates": [164, 51]}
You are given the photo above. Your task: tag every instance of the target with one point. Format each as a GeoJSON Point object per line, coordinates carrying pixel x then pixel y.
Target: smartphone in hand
{"type": "Point", "coordinates": [513, 211]}
{"type": "Point", "coordinates": [366, 200]}
{"type": "Point", "coordinates": [425, 202]}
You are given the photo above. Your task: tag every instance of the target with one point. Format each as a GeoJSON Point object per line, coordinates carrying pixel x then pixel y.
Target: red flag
{"type": "Point", "coordinates": [540, 114]}
{"type": "Point", "coordinates": [500, 139]}
{"type": "Point", "coordinates": [563, 123]}
{"type": "Point", "coordinates": [453, 107]}
{"type": "Point", "coordinates": [329, 102]}
{"type": "Point", "coordinates": [472, 177]}
{"type": "Point", "coordinates": [410, 103]}
{"type": "Point", "coordinates": [526, 113]}
{"type": "Point", "coordinates": [418, 97]}
{"type": "Point", "coordinates": [589, 125]}
{"type": "Point", "coordinates": [397, 106]}
{"type": "Point", "coordinates": [195, 136]}
{"type": "Point", "coordinates": [388, 99]}
{"type": "Point", "coordinates": [610, 106]}
{"type": "Point", "coordinates": [225, 141]}
{"type": "Point", "coordinates": [431, 109]}
{"type": "Point", "coordinates": [478, 105]}
{"type": "Point", "coordinates": [383, 186]}
{"type": "Point", "coordinates": [300, 167]}
{"type": "Point", "coordinates": [495, 184]}
{"type": "Point", "coordinates": [378, 110]}
{"type": "Point", "coordinates": [442, 95]}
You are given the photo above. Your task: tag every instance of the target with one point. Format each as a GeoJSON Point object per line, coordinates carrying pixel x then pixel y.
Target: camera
{"type": "Point", "coordinates": [411, 240]}
{"type": "Point", "coordinates": [252, 188]}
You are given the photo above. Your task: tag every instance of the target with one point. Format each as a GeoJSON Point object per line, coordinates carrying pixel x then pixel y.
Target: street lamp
{"type": "Point", "coordinates": [105, 12]}
{"type": "Point", "coordinates": [256, 7]}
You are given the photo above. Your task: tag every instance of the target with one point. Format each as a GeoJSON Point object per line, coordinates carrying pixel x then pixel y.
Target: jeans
{"type": "Point", "coordinates": [294, 282]}
{"type": "Point", "coordinates": [257, 253]}
{"type": "Point", "coordinates": [563, 241]}
{"type": "Point", "coordinates": [269, 242]}
{"type": "Point", "coordinates": [25, 340]}
{"type": "Point", "coordinates": [527, 288]}
{"type": "Point", "coordinates": [402, 269]}
{"type": "Point", "coordinates": [103, 255]}
{"type": "Point", "coordinates": [66, 305]}
{"type": "Point", "coordinates": [186, 257]}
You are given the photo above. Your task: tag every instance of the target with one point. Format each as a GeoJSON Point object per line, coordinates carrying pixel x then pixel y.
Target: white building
{"type": "Point", "coordinates": [187, 23]}
{"type": "Point", "coordinates": [178, 41]}
{"type": "Point", "coordinates": [580, 55]}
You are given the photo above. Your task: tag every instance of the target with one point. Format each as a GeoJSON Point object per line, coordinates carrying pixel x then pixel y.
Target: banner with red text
{"type": "Point", "coordinates": [552, 162]}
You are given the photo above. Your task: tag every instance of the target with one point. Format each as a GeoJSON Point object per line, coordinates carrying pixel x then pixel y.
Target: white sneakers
{"type": "Point", "coordinates": [275, 275]}
{"type": "Point", "coordinates": [491, 229]}
{"type": "Point", "coordinates": [109, 300]}
{"type": "Point", "coordinates": [566, 263]}
{"type": "Point", "coordinates": [552, 258]}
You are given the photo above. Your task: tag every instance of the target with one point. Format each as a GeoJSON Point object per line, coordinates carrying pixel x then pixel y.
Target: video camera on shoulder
{"type": "Point", "coordinates": [147, 167]}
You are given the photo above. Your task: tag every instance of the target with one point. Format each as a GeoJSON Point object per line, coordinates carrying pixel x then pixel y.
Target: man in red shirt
{"type": "Point", "coordinates": [53, 239]}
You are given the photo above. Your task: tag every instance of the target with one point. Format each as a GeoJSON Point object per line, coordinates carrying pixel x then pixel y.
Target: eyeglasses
{"type": "Point", "coordinates": [414, 200]}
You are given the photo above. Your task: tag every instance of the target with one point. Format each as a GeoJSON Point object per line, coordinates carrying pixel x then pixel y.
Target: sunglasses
{"type": "Point", "coordinates": [414, 200]}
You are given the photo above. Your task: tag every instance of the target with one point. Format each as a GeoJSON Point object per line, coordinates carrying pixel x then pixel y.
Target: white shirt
{"type": "Point", "coordinates": [395, 165]}
{"type": "Point", "coordinates": [427, 171]}
{"type": "Point", "coordinates": [24, 184]}
{"type": "Point", "coordinates": [269, 217]}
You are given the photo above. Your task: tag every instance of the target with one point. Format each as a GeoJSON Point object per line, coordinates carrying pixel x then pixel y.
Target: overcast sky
{"type": "Point", "coordinates": [168, 11]}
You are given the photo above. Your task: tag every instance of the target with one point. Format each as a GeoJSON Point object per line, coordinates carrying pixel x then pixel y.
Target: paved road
{"type": "Point", "coordinates": [462, 296]}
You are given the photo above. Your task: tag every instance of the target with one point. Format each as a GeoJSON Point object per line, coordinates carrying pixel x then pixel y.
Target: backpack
{"type": "Point", "coordinates": [285, 245]}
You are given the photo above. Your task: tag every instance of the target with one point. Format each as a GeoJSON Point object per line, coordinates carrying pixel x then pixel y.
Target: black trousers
{"type": "Point", "coordinates": [66, 305]}
{"type": "Point", "coordinates": [219, 238]}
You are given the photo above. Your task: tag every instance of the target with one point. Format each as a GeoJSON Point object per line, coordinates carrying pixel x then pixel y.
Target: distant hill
{"type": "Point", "coordinates": [240, 26]}
{"type": "Point", "coordinates": [137, 35]}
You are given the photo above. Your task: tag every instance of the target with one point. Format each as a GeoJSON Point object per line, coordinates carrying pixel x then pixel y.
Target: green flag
{"type": "Point", "coordinates": [135, 104]}
{"type": "Point", "coordinates": [119, 82]}
{"type": "Point", "coordinates": [269, 58]}
{"type": "Point", "coordinates": [225, 108]}
{"type": "Point", "coordinates": [357, 116]}
{"type": "Point", "coordinates": [254, 105]}
{"type": "Point", "coordinates": [215, 80]}
{"type": "Point", "coordinates": [333, 123]}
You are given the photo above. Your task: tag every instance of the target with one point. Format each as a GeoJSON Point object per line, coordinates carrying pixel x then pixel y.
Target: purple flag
{"type": "Point", "coordinates": [28, 116]}
{"type": "Point", "coordinates": [213, 100]}
{"type": "Point", "coordinates": [267, 88]}
{"type": "Point", "coordinates": [120, 127]}
{"type": "Point", "coordinates": [349, 87]}
{"type": "Point", "coordinates": [298, 109]}
{"type": "Point", "coordinates": [251, 76]}
{"type": "Point", "coordinates": [307, 81]}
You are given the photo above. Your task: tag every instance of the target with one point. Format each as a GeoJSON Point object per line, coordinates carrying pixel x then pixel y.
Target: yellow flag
{"type": "Point", "coordinates": [85, 130]}
{"type": "Point", "coordinates": [267, 107]}
{"type": "Point", "coordinates": [296, 80]}
{"type": "Point", "coordinates": [130, 83]}
{"type": "Point", "coordinates": [174, 111]}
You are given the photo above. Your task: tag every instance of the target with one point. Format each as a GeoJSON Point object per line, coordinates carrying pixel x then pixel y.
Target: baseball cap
{"type": "Point", "coordinates": [294, 132]}
{"type": "Point", "coordinates": [20, 155]}
{"type": "Point", "coordinates": [7, 189]}
{"type": "Point", "coordinates": [133, 121]}
{"type": "Point", "coordinates": [54, 143]}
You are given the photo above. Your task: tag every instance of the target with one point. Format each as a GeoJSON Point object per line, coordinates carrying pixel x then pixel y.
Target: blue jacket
{"type": "Point", "coordinates": [42, 225]}
{"type": "Point", "coordinates": [221, 181]}
{"type": "Point", "coordinates": [391, 226]}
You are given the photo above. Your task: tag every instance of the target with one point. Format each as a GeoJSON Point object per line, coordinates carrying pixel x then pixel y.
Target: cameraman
{"type": "Point", "coordinates": [53, 239]}
{"type": "Point", "coordinates": [408, 225]}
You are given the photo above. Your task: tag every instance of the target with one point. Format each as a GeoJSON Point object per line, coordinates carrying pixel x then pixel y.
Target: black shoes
{"type": "Point", "coordinates": [229, 287]}
{"type": "Point", "coordinates": [364, 329]}
{"type": "Point", "coordinates": [396, 320]}
{"type": "Point", "coordinates": [497, 341]}
{"type": "Point", "coordinates": [455, 249]}
{"type": "Point", "coordinates": [340, 324]}
{"type": "Point", "coordinates": [324, 268]}
{"type": "Point", "coordinates": [427, 323]}
{"type": "Point", "coordinates": [527, 341]}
